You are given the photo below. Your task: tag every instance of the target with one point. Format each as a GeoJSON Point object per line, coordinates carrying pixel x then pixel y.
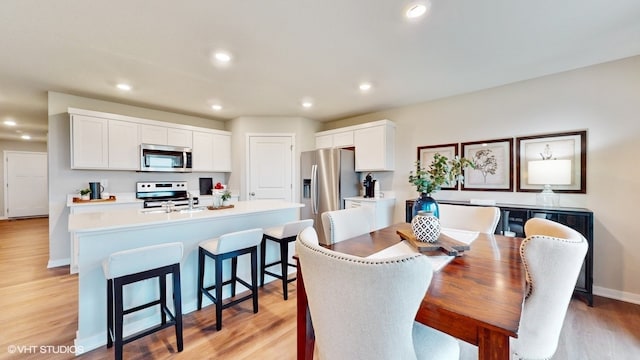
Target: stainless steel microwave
{"type": "Point", "coordinates": [165, 158]}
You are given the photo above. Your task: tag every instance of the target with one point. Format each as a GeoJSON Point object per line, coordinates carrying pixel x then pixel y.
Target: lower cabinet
{"type": "Point", "coordinates": [381, 209]}
{"type": "Point", "coordinates": [513, 218]}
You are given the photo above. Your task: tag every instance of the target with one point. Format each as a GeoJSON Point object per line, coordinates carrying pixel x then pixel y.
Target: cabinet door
{"type": "Point", "coordinates": [179, 137]}
{"type": "Point", "coordinates": [124, 150]}
{"type": "Point", "coordinates": [373, 151]}
{"type": "Point", "coordinates": [202, 151]}
{"type": "Point", "coordinates": [324, 141]}
{"type": "Point", "coordinates": [221, 152]}
{"type": "Point", "coordinates": [343, 139]}
{"type": "Point", "coordinates": [152, 134]}
{"type": "Point", "coordinates": [89, 142]}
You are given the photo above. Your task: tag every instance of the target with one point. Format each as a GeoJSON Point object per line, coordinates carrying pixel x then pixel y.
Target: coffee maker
{"type": "Point", "coordinates": [369, 186]}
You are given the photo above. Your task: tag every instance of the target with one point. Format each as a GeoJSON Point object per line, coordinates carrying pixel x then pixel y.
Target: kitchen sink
{"type": "Point", "coordinates": [189, 211]}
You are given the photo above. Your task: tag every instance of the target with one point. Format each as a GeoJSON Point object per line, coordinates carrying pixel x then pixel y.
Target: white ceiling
{"type": "Point", "coordinates": [285, 50]}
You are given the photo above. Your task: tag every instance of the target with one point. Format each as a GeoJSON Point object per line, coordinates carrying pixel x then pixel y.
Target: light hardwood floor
{"type": "Point", "coordinates": [38, 309]}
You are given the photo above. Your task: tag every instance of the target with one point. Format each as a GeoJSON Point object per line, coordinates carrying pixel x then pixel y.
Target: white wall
{"type": "Point", "coordinates": [6, 145]}
{"type": "Point", "coordinates": [303, 129]}
{"type": "Point", "coordinates": [63, 180]}
{"type": "Point", "coordinates": [603, 99]}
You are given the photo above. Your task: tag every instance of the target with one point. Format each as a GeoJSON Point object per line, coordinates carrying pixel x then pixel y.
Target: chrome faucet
{"type": "Point", "coordinates": [190, 196]}
{"type": "Point", "coordinates": [168, 206]}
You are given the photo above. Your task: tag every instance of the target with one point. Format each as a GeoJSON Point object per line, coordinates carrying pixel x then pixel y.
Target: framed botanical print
{"type": "Point", "coordinates": [426, 153]}
{"type": "Point", "coordinates": [493, 165]}
{"type": "Point", "coordinates": [568, 146]}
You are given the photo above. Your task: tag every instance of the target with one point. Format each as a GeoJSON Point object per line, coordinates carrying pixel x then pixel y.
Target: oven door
{"type": "Point", "coordinates": [164, 158]}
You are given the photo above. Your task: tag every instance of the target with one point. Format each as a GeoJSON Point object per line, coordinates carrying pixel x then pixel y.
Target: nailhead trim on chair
{"type": "Point", "coordinates": [524, 244]}
{"type": "Point", "coordinates": [359, 260]}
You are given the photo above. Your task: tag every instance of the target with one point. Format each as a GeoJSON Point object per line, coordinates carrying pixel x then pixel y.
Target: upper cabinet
{"type": "Point", "coordinates": [162, 135]}
{"type": "Point", "coordinates": [334, 138]}
{"type": "Point", "coordinates": [89, 142]}
{"type": "Point", "coordinates": [211, 152]}
{"type": "Point", "coordinates": [374, 144]}
{"type": "Point", "coordinates": [112, 142]}
{"type": "Point", "coordinates": [124, 151]}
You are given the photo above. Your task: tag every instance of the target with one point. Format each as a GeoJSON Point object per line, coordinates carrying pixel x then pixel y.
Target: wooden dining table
{"type": "Point", "coordinates": [477, 297]}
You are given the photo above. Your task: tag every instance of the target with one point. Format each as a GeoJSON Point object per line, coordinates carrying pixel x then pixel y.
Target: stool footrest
{"type": "Point", "coordinates": [140, 307]}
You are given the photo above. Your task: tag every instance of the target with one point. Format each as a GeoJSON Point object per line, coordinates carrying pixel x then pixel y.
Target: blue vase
{"type": "Point", "coordinates": [426, 203]}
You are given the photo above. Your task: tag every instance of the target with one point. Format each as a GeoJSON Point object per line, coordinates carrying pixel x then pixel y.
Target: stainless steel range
{"type": "Point", "coordinates": [162, 193]}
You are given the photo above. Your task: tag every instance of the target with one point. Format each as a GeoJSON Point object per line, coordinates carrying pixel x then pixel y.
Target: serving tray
{"type": "Point", "coordinates": [446, 244]}
{"type": "Point", "coordinates": [79, 200]}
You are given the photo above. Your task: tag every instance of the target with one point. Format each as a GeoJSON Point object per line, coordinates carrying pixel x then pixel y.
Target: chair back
{"type": "Point", "coordinates": [343, 224]}
{"type": "Point", "coordinates": [140, 259]}
{"type": "Point", "coordinates": [553, 255]}
{"type": "Point", "coordinates": [483, 219]}
{"type": "Point", "coordinates": [362, 308]}
{"type": "Point", "coordinates": [294, 227]}
{"type": "Point", "coordinates": [238, 240]}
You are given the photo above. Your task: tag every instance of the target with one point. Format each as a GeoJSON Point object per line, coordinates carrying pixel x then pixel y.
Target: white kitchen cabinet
{"type": "Point", "coordinates": [222, 152]}
{"type": "Point", "coordinates": [153, 134]}
{"type": "Point", "coordinates": [381, 209]}
{"type": "Point", "coordinates": [324, 141]}
{"type": "Point", "coordinates": [179, 137]}
{"type": "Point", "coordinates": [334, 139]}
{"type": "Point", "coordinates": [375, 147]}
{"type": "Point", "coordinates": [202, 157]}
{"type": "Point", "coordinates": [124, 150]}
{"type": "Point", "coordinates": [89, 142]}
{"type": "Point", "coordinates": [211, 152]}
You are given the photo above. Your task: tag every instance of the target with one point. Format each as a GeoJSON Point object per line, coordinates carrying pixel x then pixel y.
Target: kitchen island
{"type": "Point", "coordinates": [98, 234]}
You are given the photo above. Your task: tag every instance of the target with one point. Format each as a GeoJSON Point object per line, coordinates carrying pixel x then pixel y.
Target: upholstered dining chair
{"type": "Point", "coordinates": [365, 308]}
{"type": "Point", "coordinates": [343, 224]}
{"type": "Point", "coordinates": [552, 255]}
{"type": "Point", "coordinates": [483, 219]}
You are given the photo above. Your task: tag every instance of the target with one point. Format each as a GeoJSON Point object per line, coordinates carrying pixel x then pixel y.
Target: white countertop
{"type": "Point", "coordinates": [373, 199]}
{"type": "Point", "coordinates": [99, 221]}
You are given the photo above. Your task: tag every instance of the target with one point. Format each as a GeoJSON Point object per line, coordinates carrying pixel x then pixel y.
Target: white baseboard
{"type": "Point", "coordinates": [58, 262]}
{"type": "Point", "coordinates": [617, 295]}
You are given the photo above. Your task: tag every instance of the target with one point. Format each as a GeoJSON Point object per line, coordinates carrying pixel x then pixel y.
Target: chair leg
{"type": "Point", "coordinates": [263, 258]}
{"type": "Point", "coordinates": [200, 277]}
{"type": "Point", "coordinates": [109, 313]}
{"type": "Point", "coordinates": [254, 278]}
{"type": "Point", "coordinates": [218, 268]}
{"type": "Point", "coordinates": [177, 306]}
{"type": "Point", "coordinates": [162, 282]}
{"type": "Point", "coordinates": [284, 258]}
{"type": "Point", "coordinates": [119, 314]}
{"type": "Point", "coordinates": [234, 276]}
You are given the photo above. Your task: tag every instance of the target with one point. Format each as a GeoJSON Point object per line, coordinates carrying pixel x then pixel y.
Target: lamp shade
{"type": "Point", "coordinates": [549, 172]}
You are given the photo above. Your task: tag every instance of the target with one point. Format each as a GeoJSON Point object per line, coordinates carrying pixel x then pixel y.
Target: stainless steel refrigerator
{"type": "Point", "coordinates": [328, 176]}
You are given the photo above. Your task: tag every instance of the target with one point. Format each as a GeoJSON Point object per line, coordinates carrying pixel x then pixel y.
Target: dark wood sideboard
{"type": "Point", "coordinates": [513, 217]}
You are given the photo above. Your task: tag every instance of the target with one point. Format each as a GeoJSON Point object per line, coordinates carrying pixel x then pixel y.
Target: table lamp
{"type": "Point", "coordinates": [547, 173]}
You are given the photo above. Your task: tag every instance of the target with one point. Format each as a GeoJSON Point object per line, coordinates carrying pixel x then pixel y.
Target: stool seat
{"type": "Point", "coordinates": [130, 266]}
{"type": "Point", "coordinates": [229, 246]}
{"type": "Point", "coordinates": [283, 235]}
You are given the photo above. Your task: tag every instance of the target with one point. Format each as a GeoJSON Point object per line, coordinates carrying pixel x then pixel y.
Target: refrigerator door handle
{"type": "Point", "coordinates": [314, 189]}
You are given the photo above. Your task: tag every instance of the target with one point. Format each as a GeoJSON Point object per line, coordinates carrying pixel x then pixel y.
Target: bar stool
{"type": "Point", "coordinates": [283, 235]}
{"type": "Point", "coordinates": [231, 246]}
{"type": "Point", "coordinates": [127, 267]}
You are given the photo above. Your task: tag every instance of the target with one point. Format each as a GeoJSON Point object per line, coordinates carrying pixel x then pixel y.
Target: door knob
{"type": "Point", "coordinates": [252, 194]}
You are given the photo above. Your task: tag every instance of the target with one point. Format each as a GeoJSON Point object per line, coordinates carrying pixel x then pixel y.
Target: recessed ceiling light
{"type": "Point", "coordinates": [222, 56]}
{"type": "Point", "coordinates": [307, 104]}
{"type": "Point", "coordinates": [365, 86]}
{"type": "Point", "coordinates": [417, 10]}
{"type": "Point", "coordinates": [10, 123]}
{"type": "Point", "coordinates": [125, 87]}
{"type": "Point", "coordinates": [25, 137]}
{"type": "Point", "coordinates": [216, 107]}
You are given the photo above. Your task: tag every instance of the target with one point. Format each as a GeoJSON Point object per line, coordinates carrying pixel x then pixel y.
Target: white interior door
{"type": "Point", "coordinates": [270, 167]}
{"type": "Point", "coordinates": [26, 179]}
